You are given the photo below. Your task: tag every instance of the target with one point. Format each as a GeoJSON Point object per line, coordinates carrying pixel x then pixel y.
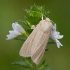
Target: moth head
{"type": "Point", "coordinates": [48, 20]}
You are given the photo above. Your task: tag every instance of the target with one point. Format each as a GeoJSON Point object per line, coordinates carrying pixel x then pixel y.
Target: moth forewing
{"type": "Point", "coordinates": [35, 44]}
{"type": "Point", "coordinates": [25, 50]}
{"type": "Point", "coordinates": [42, 39]}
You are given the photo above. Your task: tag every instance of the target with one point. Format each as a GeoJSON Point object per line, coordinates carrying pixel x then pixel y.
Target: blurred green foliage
{"type": "Point", "coordinates": [12, 11]}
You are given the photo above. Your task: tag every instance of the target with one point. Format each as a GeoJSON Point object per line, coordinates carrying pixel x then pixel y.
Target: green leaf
{"type": "Point", "coordinates": [28, 61]}
{"type": "Point", "coordinates": [34, 14]}
{"type": "Point", "coordinates": [25, 24]}
{"type": "Point", "coordinates": [51, 42]}
{"type": "Point", "coordinates": [20, 37]}
{"type": "Point", "coordinates": [48, 69]}
{"type": "Point", "coordinates": [37, 8]}
{"type": "Point", "coordinates": [42, 66]}
{"type": "Point", "coordinates": [20, 63]}
{"type": "Point", "coordinates": [46, 49]}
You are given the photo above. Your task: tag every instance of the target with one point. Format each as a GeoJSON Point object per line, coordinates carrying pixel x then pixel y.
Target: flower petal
{"type": "Point", "coordinates": [17, 27]}
{"type": "Point", "coordinates": [55, 35]}
{"type": "Point", "coordinates": [12, 35]}
{"type": "Point", "coordinates": [58, 43]}
{"type": "Point", "coordinates": [14, 32]}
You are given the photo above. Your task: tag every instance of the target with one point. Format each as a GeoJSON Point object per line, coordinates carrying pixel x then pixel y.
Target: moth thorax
{"type": "Point", "coordinates": [46, 26]}
{"type": "Point", "coordinates": [47, 19]}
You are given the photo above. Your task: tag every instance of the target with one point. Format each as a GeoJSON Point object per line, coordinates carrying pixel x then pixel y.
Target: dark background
{"type": "Point", "coordinates": [12, 11]}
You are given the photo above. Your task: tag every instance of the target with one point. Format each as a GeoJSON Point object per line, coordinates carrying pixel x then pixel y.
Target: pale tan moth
{"type": "Point", "coordinates": [36, 43]}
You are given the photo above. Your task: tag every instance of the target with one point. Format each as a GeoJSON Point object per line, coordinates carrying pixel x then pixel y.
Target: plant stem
{"type": "Point", "coordinates": [34, 66]}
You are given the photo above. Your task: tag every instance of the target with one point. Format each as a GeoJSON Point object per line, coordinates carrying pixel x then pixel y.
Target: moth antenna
{"type": "Point", "coordinates": [52, 21]}
{"type": "Point", "coordinates": [42, 17]}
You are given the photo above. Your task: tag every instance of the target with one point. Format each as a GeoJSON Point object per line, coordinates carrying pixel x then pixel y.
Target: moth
{"type": "Point", "coordinates": [36, 43]}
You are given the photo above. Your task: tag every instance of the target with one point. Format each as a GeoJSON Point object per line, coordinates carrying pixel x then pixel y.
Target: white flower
{"type": "Point", "coordinates": [17, 30]}
{"type": "Point", "coordinates": [55, 35]}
